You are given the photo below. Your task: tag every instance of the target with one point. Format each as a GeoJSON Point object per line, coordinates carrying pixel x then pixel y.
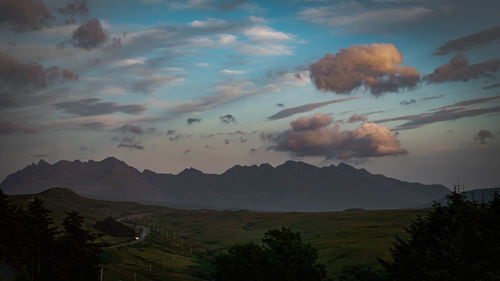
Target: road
{"type": "Point", "coordinates": [144, 234]}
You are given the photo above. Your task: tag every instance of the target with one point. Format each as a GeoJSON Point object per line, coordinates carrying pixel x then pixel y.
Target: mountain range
{"type": "Point", "coordinates": [291, 186]}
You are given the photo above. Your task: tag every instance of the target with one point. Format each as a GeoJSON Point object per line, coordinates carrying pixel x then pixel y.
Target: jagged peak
{"type": "Point", "coordinates": [343, 165]}
{"type": "Point", "coordinates": [266, 166]}
{"type": "Point", "coordinates": [112, 159]}
{"type": "Point", "coordinates": [148, 171]}
{"type": "Point", "coordinates": [190, 171]}
{"type": "Point", "coordinates": [294, 164]}
{"type": "Point", "coordinates": [42, 162]}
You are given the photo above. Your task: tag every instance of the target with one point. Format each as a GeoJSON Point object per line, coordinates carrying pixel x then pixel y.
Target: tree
{"type": "Point", "coordinates": [5, 225]}
{"type": "Point", "coordinates": [282, 257]}
{"type": "Point", "coordinates": [457, 242]}
{"type": "Point", "coordinates": [369, 272]}
{"type": "Point", "coordinates": [114, 228]}
{"type": "Point", "coordinates": [79, 258]}
{"type": "Point", "coordinates": [39, 237]}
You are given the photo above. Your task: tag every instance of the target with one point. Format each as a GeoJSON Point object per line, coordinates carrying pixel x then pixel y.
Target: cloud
{"type": "Point", "coordinates": [318, 120]}
{"type": "Point", "coordinates": [265, 34]}
{"type": "Point", "coordinates": [69, 75]}
{"type": "Point", "coordinates": [86, 148]}
{"type": "Point", "coordinates": [191, 120]}
{"type": "Point", "coordinates": [357, 118]}
{"type": "Point", "coordinates": [19, 78]}
{"type": "Point", "coordinates": [8, 128]}
{"type": "Point", "coordinates": [170, 132]}
{"type": "Point", "coordinates": [432, 97]}
{"type": "Point", "coordinates": [148, 85]}
{"type": "Point", "coordinates": [408, 102]}
{"type": "Point", "coordinates": [459, 69]}
{"type": "Point", "coordinates": [483, 135]}
{"type": "Point", "coordinates": [89, 35]}
{"type": "Point", "coordinates": [129, 142]}
{"type": "Point", "coordinates": [186, 151]}
{"type": "Point", "coordinates": [472, 41]}
{"type": "Point", "coordinates": [74, 8]}
{"type": "Point", "coordinates": [312, 136]}
{"type": "Point", "coordinates": [131, 146]}
{"type": "Point", "coordinates": [377, 67]}
{"type": "Point", "coordinates": [266, 49]}
{"type": "Point", "coordinates": [93, 106]}
{"type": "Point", "coordinates": [228, 118]}
{"type": "Point", "coordinates": [354, 16]}
{"type": "Point", "coordinates": [305, 108]}
{"type": "Point", "coordinates": [225, 5]}
{"type": "Point", "coordinates": [92, 125]}
{"type": "Point", "coordinates": [129, 128]}
{"type": "Point", "coordinates": [280, 105]}
{"type": "Point", "coordinates": [229, 71]}
{"type": "Point", "coordinates": [491, 86]}
{"type": "Point", "coordinates": [178, 137]}
{"type": "Point", "coordinates": [24, 15]}
{"type": "Point", "coordinates": [223, 94]}
{"type": "Point", "coordinates": [446, 113]}
{"type": "Point", "coordinates": [471, 102]}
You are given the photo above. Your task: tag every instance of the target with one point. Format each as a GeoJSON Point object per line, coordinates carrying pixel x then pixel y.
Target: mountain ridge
{"type": "Point", "coordinates": [291, 186]}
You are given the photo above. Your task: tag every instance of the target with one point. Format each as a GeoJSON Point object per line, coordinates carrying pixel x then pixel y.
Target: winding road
{"type": "Point", "coordinates": [144, 234]}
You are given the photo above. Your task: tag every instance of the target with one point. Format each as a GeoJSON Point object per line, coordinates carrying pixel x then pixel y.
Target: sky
{"type": "Point", "coordinates": [407, 89]}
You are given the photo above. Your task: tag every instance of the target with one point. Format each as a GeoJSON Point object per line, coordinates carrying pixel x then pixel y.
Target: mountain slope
{"type": "Point", "coordinates": [292, 186]}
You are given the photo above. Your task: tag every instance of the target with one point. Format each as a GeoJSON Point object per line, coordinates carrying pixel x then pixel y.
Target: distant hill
{"type": "Point", "coordinates": [292, 186]}
{"type": "Point", "coordinates": [479, 195]}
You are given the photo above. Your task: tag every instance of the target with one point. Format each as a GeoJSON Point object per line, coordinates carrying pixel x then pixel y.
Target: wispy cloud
{"type": "Point", "coordinates": [305, 108]}
{"type": "Point", "coordinates": [93, 106]}
{"type": "Point", "coordinates": [355, 16]}
{"type": "Point", "coordinates": [447, 113]}
{"type": "Point", "coordinates": [471, 41]}
{"type": "Point", "coordinates": [9, 128]}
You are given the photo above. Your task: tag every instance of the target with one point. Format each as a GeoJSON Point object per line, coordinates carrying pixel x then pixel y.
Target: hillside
{"type": "Point", "coordinates": [292, 186]}
{"type": "Point", "coordinates": [195, 236]}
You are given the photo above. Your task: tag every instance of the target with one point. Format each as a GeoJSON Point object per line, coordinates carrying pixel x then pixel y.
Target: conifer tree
{"type": "Point", "coordinates": [40, 238]}
{"type": "Point", "coordinates": [79, 258]}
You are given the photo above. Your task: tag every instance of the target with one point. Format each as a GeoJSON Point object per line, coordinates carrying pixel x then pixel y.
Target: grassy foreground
{"type": "Point", "coordinates": [182, 242]}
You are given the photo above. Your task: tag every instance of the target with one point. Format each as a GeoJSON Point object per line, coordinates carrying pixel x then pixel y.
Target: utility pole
{"type": "Point", "coordinates": [135, 276]}
{"type": "Point", "coordinates": [182, 247]}
{"type": "Point", "coordinates": [102, 271]}
{"type": "Point", "coordinates": [149, 267]}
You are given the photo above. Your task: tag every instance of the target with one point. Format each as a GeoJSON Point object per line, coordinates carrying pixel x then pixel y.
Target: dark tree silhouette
{"type": "Point", "coordinates": [457, 242]}
{"type": "Point", "coordinates": [282, 257]}
{"type": "Point", "coordinates": [114, 228]}
{"type": "Point", "coordinates": [79, 258]}
{"type": "Point", "coordinates": [39, 239]}
{"type": "Point", "coordinates": [5, 223]}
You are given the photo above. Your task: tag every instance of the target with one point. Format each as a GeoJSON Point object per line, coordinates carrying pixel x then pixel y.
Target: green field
{"type": "Point", "coordinates": [182, 242]}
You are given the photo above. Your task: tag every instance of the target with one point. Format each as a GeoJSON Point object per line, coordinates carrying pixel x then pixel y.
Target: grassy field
{"type": "Point", "coordinates": [182, 242]}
